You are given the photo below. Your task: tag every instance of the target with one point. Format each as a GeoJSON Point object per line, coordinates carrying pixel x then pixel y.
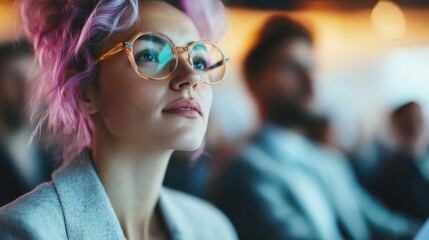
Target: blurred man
{"type": "Point", "coordinates": [21, 167]}
{"type": "Point", "coordinates": [280, 185]}
{"type": "Point", "coordinates": [423, 233]}
{"type": "Point", "coordinates": [403, 184]}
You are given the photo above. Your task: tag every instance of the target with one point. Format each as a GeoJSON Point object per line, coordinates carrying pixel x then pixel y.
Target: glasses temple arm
{"type": "Point", "coordinates": [113, 51]}
{"type": "Point", "coordinates": [227, 59]}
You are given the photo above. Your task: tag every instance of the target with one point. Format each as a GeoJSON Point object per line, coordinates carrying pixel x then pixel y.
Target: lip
{"type": "Point", "coordinates": [185, 107]}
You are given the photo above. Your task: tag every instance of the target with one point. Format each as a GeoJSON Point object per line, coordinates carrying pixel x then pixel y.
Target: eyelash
{"type": "Point", "coordinates": [202, 60]}
{"type": "Point", "coordinates": [150, 51]}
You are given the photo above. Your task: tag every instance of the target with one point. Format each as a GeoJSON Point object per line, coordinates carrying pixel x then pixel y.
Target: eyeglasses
{"type": "Point", "coordinates": [154, 56]}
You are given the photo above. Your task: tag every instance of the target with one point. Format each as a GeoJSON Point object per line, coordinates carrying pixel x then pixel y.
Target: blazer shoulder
{"type": "Point", "coordinates": [250, 164]}
{"type": "Point", "coordinates": [35, 215]}
{"type": "Point", "coordinates": [210, 221]}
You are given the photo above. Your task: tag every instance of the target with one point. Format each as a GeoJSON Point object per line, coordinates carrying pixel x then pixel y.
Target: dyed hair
{"type": "Point", "coordinates": [66, 35]}
{"type": "Point", "coordinates": [276, 31]}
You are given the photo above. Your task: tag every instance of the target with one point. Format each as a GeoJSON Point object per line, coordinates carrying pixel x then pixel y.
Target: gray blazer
{"type": "Point", "coordinates": [74, 205]}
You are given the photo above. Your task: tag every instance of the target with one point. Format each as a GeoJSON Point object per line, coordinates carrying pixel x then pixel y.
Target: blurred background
{"type": "Point", "coordinates": [372, 57]}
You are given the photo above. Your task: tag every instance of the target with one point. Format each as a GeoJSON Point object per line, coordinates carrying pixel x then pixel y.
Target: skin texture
{"type": "Point", "coordinates": [286, 87]}
{"type": "Point", "coordinates": [133, 137]}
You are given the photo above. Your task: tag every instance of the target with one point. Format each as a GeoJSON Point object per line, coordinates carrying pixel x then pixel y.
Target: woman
{"type": "Point", "coordinates": [128, 83]}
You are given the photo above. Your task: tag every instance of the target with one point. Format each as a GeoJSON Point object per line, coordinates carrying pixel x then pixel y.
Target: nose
{"type": "Point", "coordinates": [307, 84]}
{"type": "Point", "coordinates": [185, 76]}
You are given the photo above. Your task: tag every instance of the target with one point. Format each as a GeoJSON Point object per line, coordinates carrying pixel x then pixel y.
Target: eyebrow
{"type": "Point", "coordinates": [133, 33]}
{"type": "Point", "coordinates": [151, 38]}
{"type": "Point", "coordinates": [189, 43]}
{"type": "Point", "coordinates": [157, 40]}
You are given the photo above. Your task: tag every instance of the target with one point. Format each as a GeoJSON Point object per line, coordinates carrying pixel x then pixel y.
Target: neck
{"type": "Point", "coordinates": [290, 127]}
{"type": "Point", "coordinates": [132, 177]}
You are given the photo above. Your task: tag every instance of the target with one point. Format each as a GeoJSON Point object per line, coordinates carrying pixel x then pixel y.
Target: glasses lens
{"type": "Point", "coordinates": [154, 56]}
{"type": "Point", "coordinates": [208, 61]}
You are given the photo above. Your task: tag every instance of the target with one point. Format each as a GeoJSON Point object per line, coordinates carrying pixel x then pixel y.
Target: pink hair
{"type": "Point", "coordinates": [65, 35]}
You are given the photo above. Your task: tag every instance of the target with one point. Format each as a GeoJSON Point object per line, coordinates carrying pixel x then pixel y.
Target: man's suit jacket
{"type": "Point", "coordinates": [74, 205]}
{"type": "Point", "coordinates": [11, 182]}
{"type": "Point", "coordinates": [281, 186]}
{"type": "Point", "coordinates": [423, 233]}
{"type": "Point", "coordinates": [402, 184]}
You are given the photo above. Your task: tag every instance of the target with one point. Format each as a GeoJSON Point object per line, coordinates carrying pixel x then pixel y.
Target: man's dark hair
{"type": "Point", "coordinates": [404, 109]}
{"type": "Point", "coordinates": [276, 31]}
{"type": "Point", "coordinates": [404, 119]}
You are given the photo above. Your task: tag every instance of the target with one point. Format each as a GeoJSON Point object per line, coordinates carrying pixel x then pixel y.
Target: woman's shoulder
{"type": "Point", "coordinates": [200, 216]}
{"type": "Point", "coordinates": [33, 215]}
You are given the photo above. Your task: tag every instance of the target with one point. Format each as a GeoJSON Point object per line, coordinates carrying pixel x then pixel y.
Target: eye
{"type": "Point", "coordinates": [199, 64]}
{"type": "Point", "coordinates": [289, 67]}
{"type": "Point", "coordinates": [147, 55]}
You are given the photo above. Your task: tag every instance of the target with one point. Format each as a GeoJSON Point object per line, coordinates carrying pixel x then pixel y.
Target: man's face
{"type": "Point", "coordinates": [12, 89]}
{"type": "Point", "coordinates": [409, 127]}
{"type": "Point", "coordinates": [286, 84]}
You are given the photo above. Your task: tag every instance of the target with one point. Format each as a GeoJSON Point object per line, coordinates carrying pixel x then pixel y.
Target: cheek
{"type": "Point", "coordinates": [131, 108]}
{"type": "Point", "coordinates": [276, 81]}
{"type": "Point", "coordinates": [127, 102]}
{"type": "Point", "coordinates": [288, 83]}
{"type": "Point", "coordinates": [205, 94]}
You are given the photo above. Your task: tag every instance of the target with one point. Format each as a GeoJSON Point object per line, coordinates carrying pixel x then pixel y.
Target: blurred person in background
{"type": "Point", "coordinates": [403, 180]}
{"type": "Point", "coordinates": [281, 185]}
{"type": "Point", "coordinates": [188, 173]}
{"type": "Point", "coordinates": [423, 233]}
{"type": "Point", "coordinates": [335, 169]}
{"type": "Point", "coordinates": [22, 167]}
{"type": "Point", "coordinates": [366, 158]}
{"type": "Point", "coordinates": [320, 132]}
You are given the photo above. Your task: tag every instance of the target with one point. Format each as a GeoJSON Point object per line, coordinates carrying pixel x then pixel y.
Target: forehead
{"type": "Point", "coordinates": [298, 50]}
{"type": "Point", "coordinates": [158, 16]}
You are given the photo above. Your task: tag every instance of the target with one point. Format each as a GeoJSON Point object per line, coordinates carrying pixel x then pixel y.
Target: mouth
{"type": "Point", "coordinates": [187, 108]}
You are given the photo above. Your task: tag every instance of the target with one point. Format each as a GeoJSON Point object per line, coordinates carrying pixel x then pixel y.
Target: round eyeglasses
{"type": "Point", "coordinates": [154, 56]}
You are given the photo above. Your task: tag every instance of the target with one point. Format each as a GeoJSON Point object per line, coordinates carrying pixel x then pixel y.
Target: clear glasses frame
{"type": "Point", "coordinates": [128, 46]}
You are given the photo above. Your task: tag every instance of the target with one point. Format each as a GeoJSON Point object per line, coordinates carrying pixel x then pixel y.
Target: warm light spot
{"type": "Point", "coordinates": [10, 27]}
{"type": "Point", "coordinates": [388, 20]}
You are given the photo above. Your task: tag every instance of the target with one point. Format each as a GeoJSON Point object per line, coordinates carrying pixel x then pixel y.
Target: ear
{"type": "Point", "coordinates": [88, 102]}
{"type": "Point", "coordinates": [89, 97]}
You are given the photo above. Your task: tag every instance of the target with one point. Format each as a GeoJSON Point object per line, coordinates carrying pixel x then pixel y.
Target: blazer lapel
{"type": "Point", "coordinates": [88, 213]}
{"type": "Point", "coordinates": [174, 218]}
{"type": "Point", "coordinates": [285, 158]}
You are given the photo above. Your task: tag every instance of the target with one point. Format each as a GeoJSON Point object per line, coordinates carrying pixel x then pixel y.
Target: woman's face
{"type": "Point", "coordinates": [145, 112]}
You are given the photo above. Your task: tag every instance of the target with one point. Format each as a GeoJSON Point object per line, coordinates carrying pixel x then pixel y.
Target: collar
{"type": "Point", "coordinates": [286, 145]}
{"type": "Point", "coordinates": [88, 213]}
{"type": "Point", "coordinates": [85, 204]}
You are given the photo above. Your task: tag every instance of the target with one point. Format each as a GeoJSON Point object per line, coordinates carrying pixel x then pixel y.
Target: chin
{"type": "Point", "coordinates": [189, 142]}
{"type": "Point", "coordinates": [186, 138]}
{"type": "Point", "coordinates": [190, 145]}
